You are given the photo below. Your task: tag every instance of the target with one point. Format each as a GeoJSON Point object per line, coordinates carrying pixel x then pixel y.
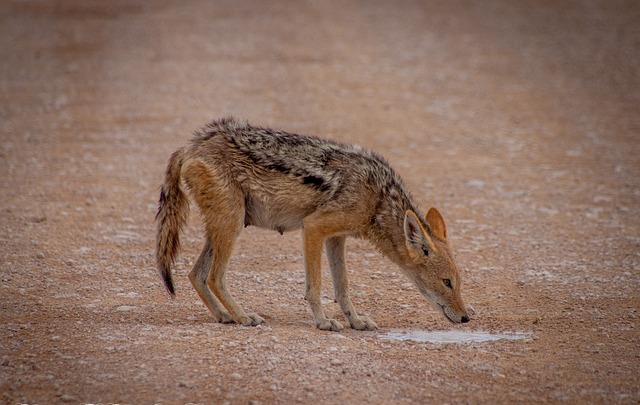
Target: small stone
{"type": "Point", "coordinates": [126, 308]}
{"type": "Point", "coordinates": [82, 250]}
{"type": "Point", "coordinates": [235, 376]}
{"type": "Point", "coordinates": [476, 183]}
{"type": "Point", "coordinates": [336, 362]}
{"type": "Point", "coordinates": [67, 398]}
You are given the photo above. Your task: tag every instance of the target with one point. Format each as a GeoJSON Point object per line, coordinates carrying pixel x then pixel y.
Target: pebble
{"type": "Point", "coordinates": [68, 398]}
{"type": "Point", "coordinates": [82, 250]}
{"type": "Point", "coordinates": [476, 183]}
{"type": "Point", "coordinates": [235, 376]}
{"type": "Point", "coordinates": [126, 308]}
{"type": "Point", "coordinates": [336, 362]}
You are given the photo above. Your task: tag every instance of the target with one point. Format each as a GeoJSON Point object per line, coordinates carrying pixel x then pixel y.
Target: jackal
{"type": "Point", "coordinates": [241, 175]}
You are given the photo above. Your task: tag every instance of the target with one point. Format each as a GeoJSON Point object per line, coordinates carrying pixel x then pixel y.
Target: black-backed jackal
{"type": "Point", "coordinates": [240, 175]}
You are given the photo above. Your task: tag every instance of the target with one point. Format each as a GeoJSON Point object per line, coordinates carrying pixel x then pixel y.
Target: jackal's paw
{"type": "Point", "coordinates": [329, 324]}
{"type": "Point", "coordinates": [363, 323]}
{"type": "Point", "coordinates": [225, 318]}
{"type": "Point", "coordinates": [251, 320]}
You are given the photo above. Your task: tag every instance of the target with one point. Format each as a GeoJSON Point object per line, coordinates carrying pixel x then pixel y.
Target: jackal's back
{"type": "Point", "coordinates": [333, 168]}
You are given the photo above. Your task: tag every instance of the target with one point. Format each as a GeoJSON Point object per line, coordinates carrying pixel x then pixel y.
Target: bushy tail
{"type": "Point", "coordinates": [173, 208]}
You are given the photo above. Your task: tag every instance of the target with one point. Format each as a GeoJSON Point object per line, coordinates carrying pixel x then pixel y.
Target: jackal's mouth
{"type": "Point", "coordinates": [446, 311]}
{"type": "Point", "coordinates": [451, 317]}
{"type": "Point", "coordinates": [446, 315]}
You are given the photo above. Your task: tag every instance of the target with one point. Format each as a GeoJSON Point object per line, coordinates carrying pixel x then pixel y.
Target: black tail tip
{"type": "Point", "coordinates": [172, 291]}
{"type": "Point", "coordinates": [168, 283]}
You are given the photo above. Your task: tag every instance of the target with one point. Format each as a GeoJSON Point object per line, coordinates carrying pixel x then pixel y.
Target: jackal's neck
{"type": "Point", "coordinates": [387, 226]}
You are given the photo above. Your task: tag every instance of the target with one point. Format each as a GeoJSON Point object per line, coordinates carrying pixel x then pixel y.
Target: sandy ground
{"type": "Point", "coordinates": [520, 121]}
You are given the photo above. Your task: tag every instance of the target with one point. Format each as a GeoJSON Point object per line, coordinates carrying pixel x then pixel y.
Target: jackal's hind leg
{"type": "Point", "coordinates": [217, 282]}
{"type": "Point", "coordinates": [198, 277]}
{"type": "Point", "coordinates": [335, 254]}
{"type": "Point", "coordinates": [222, 239]}
{"type": "Point", "coordinates": [221, 205]}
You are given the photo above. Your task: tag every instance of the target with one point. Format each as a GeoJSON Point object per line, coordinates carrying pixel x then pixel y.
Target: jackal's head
{"type": "Point", "coordinates": [431, 267]}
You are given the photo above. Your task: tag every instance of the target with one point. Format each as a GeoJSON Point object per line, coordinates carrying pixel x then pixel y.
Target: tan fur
{"type": "Point", "coordinates": [240, 175]}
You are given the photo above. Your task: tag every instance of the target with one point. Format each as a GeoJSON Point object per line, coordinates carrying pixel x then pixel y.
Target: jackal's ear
{"type": "Point", "coordinates": [416, 237]}
{"type": "Point", "coordinates": [436, 224]}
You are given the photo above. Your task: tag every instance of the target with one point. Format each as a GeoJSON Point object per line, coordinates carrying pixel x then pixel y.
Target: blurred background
{"type": "Point", "coordinates": [519, 120]}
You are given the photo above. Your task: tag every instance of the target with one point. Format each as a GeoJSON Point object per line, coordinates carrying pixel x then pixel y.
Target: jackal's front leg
{"type": "Point", "coordinates": [314, 237]}
{"type": "Point", "coordinates": [335, 254]}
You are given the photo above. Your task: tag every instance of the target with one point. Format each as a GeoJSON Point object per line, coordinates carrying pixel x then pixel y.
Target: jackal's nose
{"type": "Point", "coordinates": [465, 319]}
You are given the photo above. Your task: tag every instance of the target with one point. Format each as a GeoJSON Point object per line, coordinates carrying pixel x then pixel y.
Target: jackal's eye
{"type": "Point", "coordinates": [425, 251]}
{"type": "Point", "coordinates": [447, 282]}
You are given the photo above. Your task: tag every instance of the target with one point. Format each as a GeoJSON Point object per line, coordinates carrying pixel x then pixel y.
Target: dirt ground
{"type": "Point", "coordinates": [520, 121]}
